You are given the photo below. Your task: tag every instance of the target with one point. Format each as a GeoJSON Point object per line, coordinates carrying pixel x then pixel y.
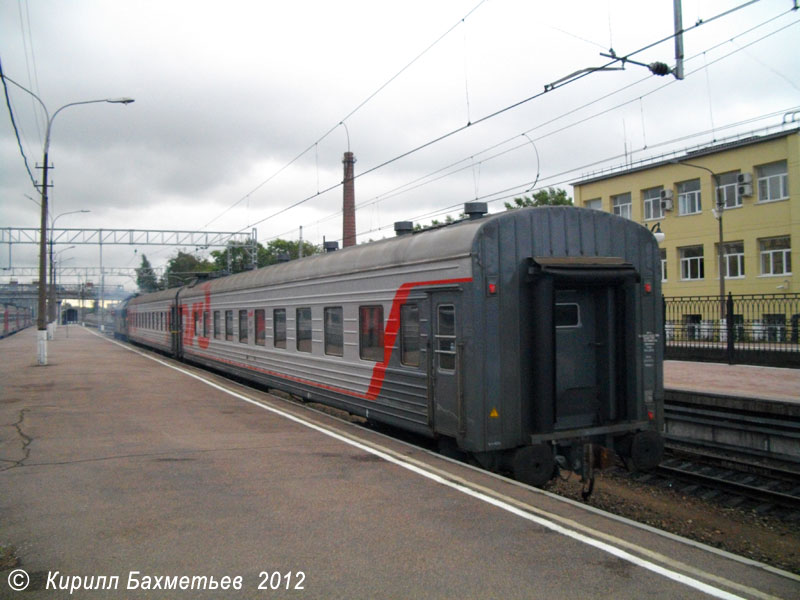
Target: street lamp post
{"type": "Point", "coordinates": [720, 201]}
{"type": "Point", "coordinates": [41, 321]}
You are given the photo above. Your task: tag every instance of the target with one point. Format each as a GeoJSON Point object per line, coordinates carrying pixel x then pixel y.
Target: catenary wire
{"type": "Point", "coordinates": [566, 81]}
{"type": "Point", "coordinates": [432, 177]}
{"type": "Point", "coordinates": [348, 115]}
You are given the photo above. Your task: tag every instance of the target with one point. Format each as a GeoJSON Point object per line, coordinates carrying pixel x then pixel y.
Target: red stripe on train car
{"type": "Point", "coordinates": [379, 370]}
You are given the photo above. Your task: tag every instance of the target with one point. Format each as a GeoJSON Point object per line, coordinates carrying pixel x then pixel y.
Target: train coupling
{"type": "Point", "coordinates": [585, 459]}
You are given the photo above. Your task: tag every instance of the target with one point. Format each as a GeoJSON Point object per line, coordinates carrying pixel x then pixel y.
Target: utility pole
{"type": "Point", "coordinates": [678, 71]}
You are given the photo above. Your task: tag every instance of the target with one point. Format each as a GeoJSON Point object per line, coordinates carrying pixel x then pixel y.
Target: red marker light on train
{"type": "Point", "coordinates": [492, 288]}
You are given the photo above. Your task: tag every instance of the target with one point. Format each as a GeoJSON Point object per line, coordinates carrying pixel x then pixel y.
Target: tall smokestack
{"type": "Point", "coordinates": [349, 206]}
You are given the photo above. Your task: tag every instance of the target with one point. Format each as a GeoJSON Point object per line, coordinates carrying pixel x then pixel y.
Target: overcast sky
{"type": "Point", "coordinates": [229, 94]}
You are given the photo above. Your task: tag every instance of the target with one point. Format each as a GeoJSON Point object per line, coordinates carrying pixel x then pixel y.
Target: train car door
{"type": "Point", "coordinates": [176, 330]}
{"type": "Point", "coordinates": [445, 357]}
{"type": "Point", "coordinates": [580, 343]}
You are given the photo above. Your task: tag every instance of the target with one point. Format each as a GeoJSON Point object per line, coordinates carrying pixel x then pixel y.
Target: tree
{"type": "Point", "coordinates": [278, 248]}
{"type": "Point", "coordinates": [548, 197]}
{"type": "Point", "coordinates": [234, 259]}
{"type": "Point", "coordinates": [183, 268]}
{"type": "Point", "coordinates": [146, 277]}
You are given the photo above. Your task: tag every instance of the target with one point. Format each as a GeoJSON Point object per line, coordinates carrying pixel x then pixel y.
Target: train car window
{"type": "Point", "coordinates": [197, 317]}
{"type": "Point", "coordinates": [409, 335]}
{"type": "Point", "coordinates": [279, 327]}
{"type": "Point", "coordinates": [243, 326]}
{"type": "Point", "coordinates": [446, 337]}
{"type": "Point", "coordinates": [334, 334]}
{"type": "Point", "coordinates": [261, 328]}
{"type": "Point", "coordinates": [568, 315]}
{"type": "Point", "coordinates": [303, 323]}
{"type": "Point", "coordinates": [229, 325]}
{"type": "Point", "coordinates": [370, 332]}
{"type": "Point", "coordinates": [217, 329]}
{"type": "Point", "coordinates": [206, 324]}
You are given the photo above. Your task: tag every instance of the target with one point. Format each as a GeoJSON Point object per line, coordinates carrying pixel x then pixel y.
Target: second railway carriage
{"type": "Point", "coordinates": [521, 337]}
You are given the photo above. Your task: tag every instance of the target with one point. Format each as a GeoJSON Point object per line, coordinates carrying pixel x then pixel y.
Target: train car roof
{"type": "Point", "coordinates": [456, 240]}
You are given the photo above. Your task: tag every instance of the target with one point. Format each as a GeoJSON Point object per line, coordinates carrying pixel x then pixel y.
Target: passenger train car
{"type": "Point", "coordinates": [14, 318]}
{"type": "Point", "coordinates": [521, 337]}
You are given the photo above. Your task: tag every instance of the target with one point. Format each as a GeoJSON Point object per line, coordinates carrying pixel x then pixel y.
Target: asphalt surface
{"type": "Point", "coordinates": [113, 465]}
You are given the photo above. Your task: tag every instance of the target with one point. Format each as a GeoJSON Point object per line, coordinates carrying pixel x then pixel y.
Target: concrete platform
{"type": "Point", "coordinates": [736, 381]}
{"type": "Point", "coordinates": [114, 464]}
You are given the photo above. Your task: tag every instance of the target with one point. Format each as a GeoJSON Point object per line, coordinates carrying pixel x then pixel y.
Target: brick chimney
{"type": "Point", "coordinates": [349, 205]}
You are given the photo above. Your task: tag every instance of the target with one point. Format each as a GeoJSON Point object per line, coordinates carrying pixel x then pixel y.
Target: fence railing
{"type": "Point", "coordinates": [756, 329]}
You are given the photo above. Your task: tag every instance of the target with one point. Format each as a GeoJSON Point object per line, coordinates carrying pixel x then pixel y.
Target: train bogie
{"type": "Point", "coordinates": [523, 337]}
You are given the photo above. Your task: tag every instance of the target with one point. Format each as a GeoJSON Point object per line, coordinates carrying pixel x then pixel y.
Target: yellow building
{"type": "Point", "coordinates": [757, 179]}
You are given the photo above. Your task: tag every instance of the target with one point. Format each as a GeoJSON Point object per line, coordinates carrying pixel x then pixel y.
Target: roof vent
{"type": "Point", "coordinates": [403, 227]}
{"type": "Point", "coordinates": [475, 210]}
{"type": "Point", "coordinates": [284, 257]}
{"type": "Point", "coordinates": [330, 246]}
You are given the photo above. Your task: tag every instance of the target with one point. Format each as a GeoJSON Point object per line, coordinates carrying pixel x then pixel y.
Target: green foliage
{"type": "Point", "coordinates": [145, 277]}
{"type": "Point", "coordinates": [548, 197]}
{"type": "Point", "coordinates": [183, 268]}
{"type": "Point", "coordinates": [276, 248]}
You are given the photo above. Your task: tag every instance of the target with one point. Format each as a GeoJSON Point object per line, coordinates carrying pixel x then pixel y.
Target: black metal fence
{"type": "Point", "coordinates": [754, 329]}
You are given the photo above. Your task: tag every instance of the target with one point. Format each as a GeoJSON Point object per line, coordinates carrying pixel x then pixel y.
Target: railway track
{"type": "Point", "coordinates": [768, 492]}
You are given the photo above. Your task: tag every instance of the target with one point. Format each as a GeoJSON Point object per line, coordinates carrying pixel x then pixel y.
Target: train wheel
{"type": "Point", "coordinates": [647, 449]}
{"type": "Point", "coordinates": [533, 465]}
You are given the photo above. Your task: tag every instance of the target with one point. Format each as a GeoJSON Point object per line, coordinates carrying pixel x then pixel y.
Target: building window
{"type": "Point", "coordinates": [691, 263]}
{"type": "Point", "coordinates": [663, 264]}
{"type": "Point", "coordinates": [279, 327]}
{"type": "Point", "coordinates": [652, 204]}
{"type": "Point", "coordinates": [217, 328]}
{"type": "Point", "coordinates": [621, 205]}
{"type": "Point", "coordinates": [334, 331]}
{"type": "Point", "coordinates": [773, 182]}
{"type": "Point", "coordinates": [303, 329]}
{"type": "Point", "coordinates": [261, 327]}
{"type": "Point", "coordinates": [594, 204]}
{"type": "Point", "coordinates": [692, 325]}
{"type": "Point", "coordinates": [776, 256]}
{"type": "Point", "coordinates": [776, 326]}
{"type": "Point", "coordinates": [229, 325]}
{"type": "Point", "coordinates": [409, 335]}
{"type": "Point", "coordinates": [689, 197]}
{"type": "Point", "coordinates": [727, 190]}
{"type": "Point", "coordinates": [370, 332]}
{"type": "Point", "coordinates": [733, 259]}
{"type": "Point", "coordinates": [243, 326]}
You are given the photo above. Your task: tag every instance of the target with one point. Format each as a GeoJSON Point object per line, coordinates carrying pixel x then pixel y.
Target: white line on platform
{"type": "Point", "coordinates": [548, 523]}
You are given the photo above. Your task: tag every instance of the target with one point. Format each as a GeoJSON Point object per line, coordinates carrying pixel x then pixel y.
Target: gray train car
{"type": "Point", "coordinates": [528, 338]}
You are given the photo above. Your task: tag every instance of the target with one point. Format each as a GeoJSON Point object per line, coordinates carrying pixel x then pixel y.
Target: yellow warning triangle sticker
{"type": "Point", "coordinates": [494, 414]}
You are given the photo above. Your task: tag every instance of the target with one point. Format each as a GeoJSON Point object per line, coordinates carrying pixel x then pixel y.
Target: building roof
{"type": "Point", "coordinates": [715, 148]}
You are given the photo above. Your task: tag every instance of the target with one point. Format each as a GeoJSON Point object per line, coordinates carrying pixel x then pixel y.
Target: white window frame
{"type": "Point", "coordinates": [651, 204]}
{"type": "Point", "coordinates": [594, 204]}
{"type": "Point", "coordinates": [622, 205]}
{"type": "Point", "coordinates": [736, 258]}
{"type": "Point", "coordinates": [728, 191]}
{"type": "Point", "coordinates": [663, 265]}
{"type": "Point", "coordinates": [689, 200]}
{"type": "Point", "coordinates": [770, 254]}
{"type": "Point", "coordinates": [692, 264]}
{"type": "Point", "coordinates": [775, 187]}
